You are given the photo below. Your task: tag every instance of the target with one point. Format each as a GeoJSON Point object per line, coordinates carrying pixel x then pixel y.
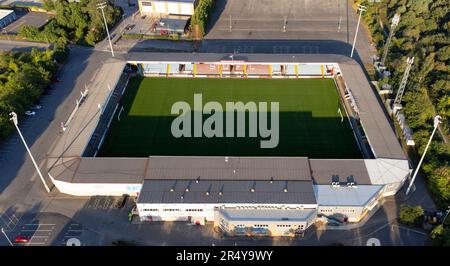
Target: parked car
{"type": "Point", "coordinates": [22, 239]}
{"type": "Point", "coordinates": [30, 113]}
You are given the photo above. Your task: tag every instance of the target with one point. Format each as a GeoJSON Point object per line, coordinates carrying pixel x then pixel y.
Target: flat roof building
{"type": "Point", "coordinates": [7, 16]}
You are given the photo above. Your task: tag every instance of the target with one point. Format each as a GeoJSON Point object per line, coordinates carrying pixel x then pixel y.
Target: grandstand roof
{"type": "Point", "coordinates": [226, 191]}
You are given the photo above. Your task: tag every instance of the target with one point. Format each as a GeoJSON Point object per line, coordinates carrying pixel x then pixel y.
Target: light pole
{"type": "Point", "coordinates": [361, 9]}
{"type": "Point", "coordinates": [13, 117]}
{"type": "Point", "coordinates": [437, 120]}
{"type": "Point", "coordinates": [446, 214]}
{"type": "Point", "coordinates": [10, 243]}
{"type": "Point", "coordinates": [101, 6]}
{"type": "Point", "coordinates": [395, 21]}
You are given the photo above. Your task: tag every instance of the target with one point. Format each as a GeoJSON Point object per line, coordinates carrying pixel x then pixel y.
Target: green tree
{"type": "Point", "coordinates": [411, 215]}
{"type": "Point", "coordinates": [441, 235]}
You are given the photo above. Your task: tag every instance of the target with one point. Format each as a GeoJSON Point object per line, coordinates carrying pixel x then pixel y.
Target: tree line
{"type": "Point", "coordinates": [23, 78]}
{"type": "Point", "coordinates": [200, 18]}
{"type": "Point", "coordinates": [423, 32]}
{"type": "Point", "coordinates": [74, 22]}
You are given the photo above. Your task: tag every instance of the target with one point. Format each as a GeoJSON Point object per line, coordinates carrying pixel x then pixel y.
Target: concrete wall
{"type": "Point", "coordinates": [270, 227]}
{"type": "Point", "coordinates": [97, 189]}
{"type": "Point", "coordinates": [183, 211]}
{"type": "Point", "coordinates": [166, 8]}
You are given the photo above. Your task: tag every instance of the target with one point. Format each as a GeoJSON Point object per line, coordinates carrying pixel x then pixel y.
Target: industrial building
{"type": "Point", "coordinates": [7, 16]}
{"type": "Point", "coordinates": [240, 195]}
{"type": "Point", "coordinates": [167, 7]}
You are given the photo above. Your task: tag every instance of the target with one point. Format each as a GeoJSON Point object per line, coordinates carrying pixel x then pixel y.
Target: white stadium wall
{"type": "Point", "coordinates": [166, 8]}
{"type": "Point", "coordinates": [97, 189]}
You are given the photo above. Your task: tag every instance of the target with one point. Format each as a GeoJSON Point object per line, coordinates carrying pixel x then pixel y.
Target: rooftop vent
{"type": "Point", "coordinates": [271, 180]}
{"type": "Point", "coordinates": [220, 193]}
{"type": "Point", "coordinates": [350, 181]}
{"type": "Point", "coordinates": [252, 189]}
{"type": "Point", "coordinates": [335, 181]}
{"type": "Point", "coordinates": [187, 189]}
{"type": "Point", "coordinates": [172, 189]}
{"type": "Point", "coordinates": [285, 190]}
{"type": "Point", "coordinates": [207, 193]}
{"type": "Point", "coordinates": [182, 197]}
{"type": "Point", "coordinates": [197, 180]}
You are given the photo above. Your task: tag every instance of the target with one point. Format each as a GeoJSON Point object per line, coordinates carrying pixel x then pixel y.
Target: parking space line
{"type": "Point", "coordinates": [37, 230]}
{"type": "Point", "coordinates": [40, 224]}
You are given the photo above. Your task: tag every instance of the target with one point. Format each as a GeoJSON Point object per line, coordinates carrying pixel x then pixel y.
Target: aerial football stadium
{"type": "Point", "coordinates": [336, 157]}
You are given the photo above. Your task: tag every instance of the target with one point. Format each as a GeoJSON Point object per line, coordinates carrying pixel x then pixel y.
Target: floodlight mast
{"type": "Point", "coordinates": [437, 121]}
{"type": "Point", "coordinates": [361, 9]}
{"type": "Point", "coordinates": [13, 118]}
{"type": "Point", "coordinates": [401, 89]}
{"type": "Point", "coordinates": [101, 6]}
{"type": "Point", "coordinates": [394, 23]}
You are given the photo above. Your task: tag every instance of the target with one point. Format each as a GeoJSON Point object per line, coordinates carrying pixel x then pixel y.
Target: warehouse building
{"type": "Point", "coordinates": [167, 7]}
{"type": "Point", "coordinates": [6, 17]}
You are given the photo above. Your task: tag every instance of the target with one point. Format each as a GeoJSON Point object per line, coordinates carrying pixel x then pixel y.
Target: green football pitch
{"type": "Point", "coordinates": [309, 122]}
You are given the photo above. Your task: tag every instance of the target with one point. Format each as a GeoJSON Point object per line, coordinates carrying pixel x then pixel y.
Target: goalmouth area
{"type": "Point", "coordinates": [312, 120]}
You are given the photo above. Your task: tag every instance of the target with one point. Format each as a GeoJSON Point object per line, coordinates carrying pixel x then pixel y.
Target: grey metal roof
{"type": "Point", "coordinates": [323, 170]}
{"type": "Point", "coordinates": [233, 191]}
{"type": "Point", "coordinates": [228, 168]}
{"type": "Point", "coordinates": [86, 118]}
